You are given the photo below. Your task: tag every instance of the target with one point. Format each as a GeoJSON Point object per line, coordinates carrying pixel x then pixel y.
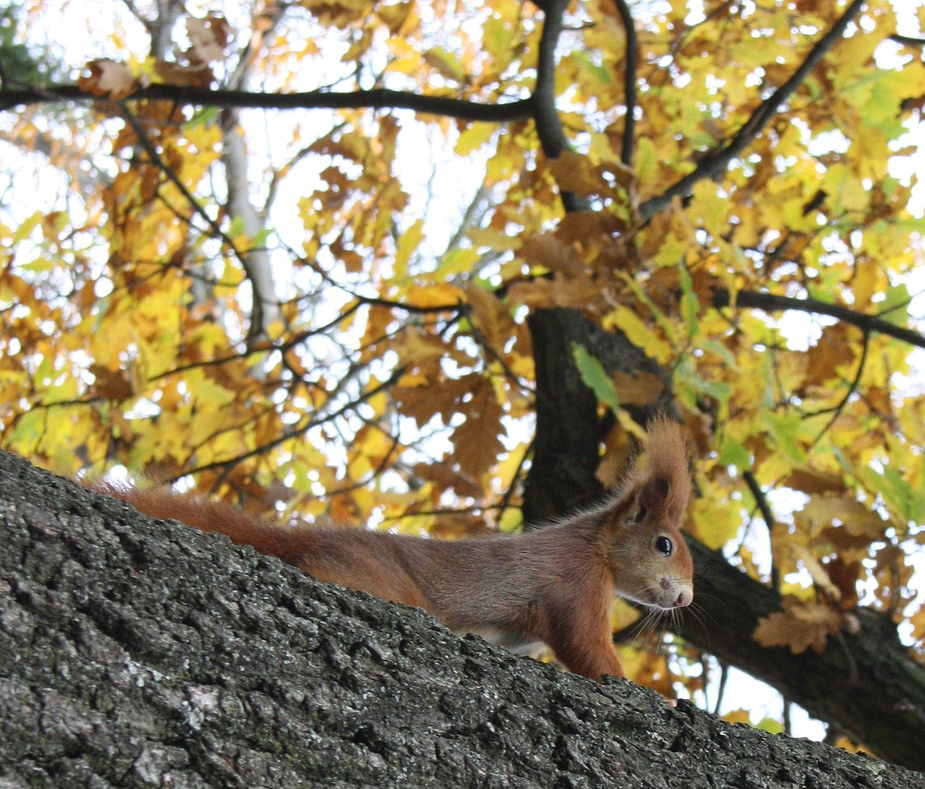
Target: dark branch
{"type": "Point", "coordinates": [629, 82]}
{"type": "Point", "coordinates": [715, 162]}
{"type": "Point", "coordinates": [380, 98]}
{"type": "Point", "coordinates": [762, 502]}
{"type": "Point", "coordinates": [548, 124]}
{"type": "Point", "coordinates": [908, 41]}
{"type": "Point", "coordinates": [772, 303]}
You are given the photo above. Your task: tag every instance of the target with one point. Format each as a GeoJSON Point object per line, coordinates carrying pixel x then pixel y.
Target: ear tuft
{"type": "Point", "coordinates": [653, 495]}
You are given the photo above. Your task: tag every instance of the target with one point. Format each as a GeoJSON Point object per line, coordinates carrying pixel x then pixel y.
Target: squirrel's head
{"type": "Point", "coordinates": [649, 557]}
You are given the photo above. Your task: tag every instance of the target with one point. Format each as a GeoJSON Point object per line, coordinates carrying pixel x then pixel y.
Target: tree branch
{"type": "Point", "coordinates": [548, 124]}
{"type": "Point", "coordinates": [629, 82]}
{"type": "Point", "coordinates": [716, 161]}
{"type": "Point", "coordinates": [762, 502]}
{"type": "Point", "coordinates": [773, 303]}
{"type": "Point", "coordinates": [378, 98]}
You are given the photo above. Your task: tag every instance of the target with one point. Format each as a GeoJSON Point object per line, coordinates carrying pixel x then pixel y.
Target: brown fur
{"type": "Point", "coordinates": [554, 585]}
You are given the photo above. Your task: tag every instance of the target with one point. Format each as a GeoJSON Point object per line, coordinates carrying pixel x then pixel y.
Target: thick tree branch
{"type": "Point", "coordinates": [866, 682]}
{"type": "Point", "coordinates": [715, 162]}
{"type": "Point", "coordinates": [772, 303]}
{"type": "Point", "coordinates": [629, 82]}
{"type": "Point", "coordinates": [136, 652]}
{"type": "Point", "coordinates": [379, 98]}
{"type": "Point", "coordinates": [545, 115]}
{"type": "Point", "coordinates": [548, 125]}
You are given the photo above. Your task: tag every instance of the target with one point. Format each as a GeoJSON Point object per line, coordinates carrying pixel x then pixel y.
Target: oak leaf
{"type": "Point", "coordinates": [801, 625]}
{"type": "Point", "coordinates": [108, 78]}
{"type": "Point", "coordinates": [477, 443]}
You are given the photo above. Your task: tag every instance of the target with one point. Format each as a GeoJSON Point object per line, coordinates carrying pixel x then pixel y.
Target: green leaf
{"type": "Point", "coordinates": [595, 377]}
{"type": "Point", "coordinates": [897, 492]}
{"type": "Point", "coordinates": [734, 453]}
{"type": "Point", "coordinates": [785, 429]}
{"type": "Point", "coordinates": [690, 304]}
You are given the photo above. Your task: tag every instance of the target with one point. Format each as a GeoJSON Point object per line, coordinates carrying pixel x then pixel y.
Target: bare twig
{"type": "Point", "coordinates": [768, 516]}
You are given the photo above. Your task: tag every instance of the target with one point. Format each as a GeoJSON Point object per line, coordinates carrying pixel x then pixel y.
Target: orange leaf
{"type": "Point", "coordinates": [544, 249]}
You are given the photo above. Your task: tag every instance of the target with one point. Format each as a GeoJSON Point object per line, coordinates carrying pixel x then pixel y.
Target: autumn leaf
{"type": "Point", "coordinates": [109, 78]}
{"type": "Point", "coordinates": [477, 440]}
{"type": "Point", "coordinates": [575, 173]}
{"type": "Point", "coordinates": [801, 625]}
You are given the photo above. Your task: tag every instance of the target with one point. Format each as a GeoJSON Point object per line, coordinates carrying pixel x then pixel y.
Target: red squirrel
{"type": "Point", "coordinates": [552, 585]}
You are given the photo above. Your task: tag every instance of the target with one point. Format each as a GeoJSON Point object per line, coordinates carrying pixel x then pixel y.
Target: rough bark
{"type": "Point", "coordinates": [867, 685]}
{"type": "Point", "coordinates": [139, 653]}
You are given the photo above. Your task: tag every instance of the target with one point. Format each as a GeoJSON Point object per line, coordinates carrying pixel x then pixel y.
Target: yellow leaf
{"type": "Point", "coordinates": [715, 522]}
{"type": "Point", "coordinates": [408, 243]}
{"type": "Point", "coordinates": [442, 295]}
{"type": "Point", "coordinates": [446, 63]}
{"type": "Point", "coordinates": [474, 137]}
{"type": "Point", "coordinates": [639, 333]}
{"type": "Point", "coordinates": [710, 207]}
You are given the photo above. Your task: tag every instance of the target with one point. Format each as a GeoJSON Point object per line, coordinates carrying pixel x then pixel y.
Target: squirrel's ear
{"type": "Point", "coordinates": [652, 496]}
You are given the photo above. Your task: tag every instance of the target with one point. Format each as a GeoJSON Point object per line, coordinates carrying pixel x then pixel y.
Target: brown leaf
{"type": "Point", "coordinates": [446, 478]}
{"type": "Point", "coordinates": [574, 173]}
{"type": "Point", "coordinates": [817, 572]}
{"type": "Point", "coordinates": [491, 316]}
{"type": "Point", "coordinates": [545, 249]}
{"type": "Point", "coordinates": [208, 37]}
{"type": "Point", "coordinates": [800, 626]}
{"type": "Point", "coordinates": [111, 384]}
{"type": "Point", "coordinates": [845, 576]}
{"type": "Point", "coordinates": [845, 511]}
{"type": "Point", "coordinates": [583, 225]}
{"type": "Point", "coordinates": [640, 389]}
{"type": "Point", "coordinates": [427, 400]}
{"type": "Point", "coordinates": [811, 481]}
{"type": "Point", "coordinates": [581, 292]}
{"type": "Point", "coordinates": [477, 443]}
{"type": "Point", "coordinates": [108, 78]}
{"type": "Point", "coordinates": [836, 348]}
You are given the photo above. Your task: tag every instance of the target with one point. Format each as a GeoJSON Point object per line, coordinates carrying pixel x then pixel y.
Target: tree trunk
{"type": "Point", "coordinates": [568, 430]}
{"type": "Point", "coordinates": [867, 685]}
{"type": "Point", "coordinates": [139, 653]}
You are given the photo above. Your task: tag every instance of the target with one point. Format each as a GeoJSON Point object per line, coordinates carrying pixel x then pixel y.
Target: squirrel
{"type": "Point", "coordinates": [552, 586]}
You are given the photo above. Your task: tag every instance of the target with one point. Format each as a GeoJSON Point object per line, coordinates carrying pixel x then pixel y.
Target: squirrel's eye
{"type": "Point", "coordinates": [663, 545]}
